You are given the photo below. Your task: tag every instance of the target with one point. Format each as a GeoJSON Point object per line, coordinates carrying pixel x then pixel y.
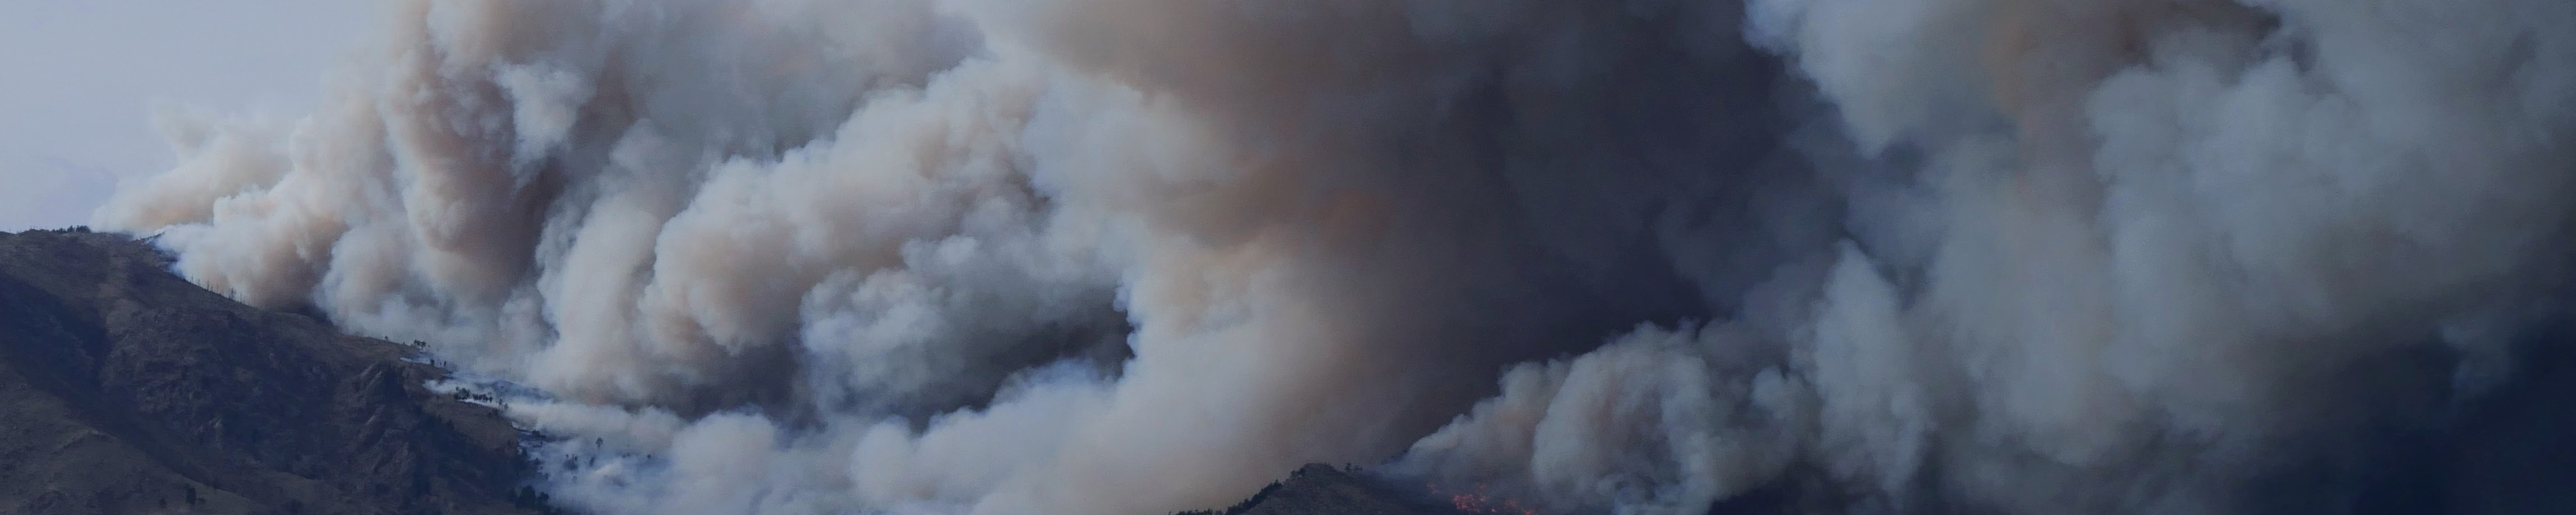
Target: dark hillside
{"type": "Point", "coordinates": [1319, 489]}
{"type": "Point", "coordinates": [125, 389]}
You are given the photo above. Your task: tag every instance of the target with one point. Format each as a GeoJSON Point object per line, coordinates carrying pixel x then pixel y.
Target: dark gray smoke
{"type": "Point", "coordinates": [1137, 256]}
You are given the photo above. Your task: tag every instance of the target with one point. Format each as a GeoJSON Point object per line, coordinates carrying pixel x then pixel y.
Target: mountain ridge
{"type": "Point", "coordinates": [129, 390]}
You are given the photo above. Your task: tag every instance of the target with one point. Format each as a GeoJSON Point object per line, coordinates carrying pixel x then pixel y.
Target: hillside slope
{"type": "Point", "coordinates": [125, 389]}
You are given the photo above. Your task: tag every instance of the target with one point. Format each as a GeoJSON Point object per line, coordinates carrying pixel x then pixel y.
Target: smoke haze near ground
{"type": "Point", "coordinates": [1138, 256]}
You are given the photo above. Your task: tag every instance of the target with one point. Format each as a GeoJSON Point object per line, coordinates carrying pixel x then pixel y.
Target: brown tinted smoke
{"type": "Point", "coordinates": [1137, 256]}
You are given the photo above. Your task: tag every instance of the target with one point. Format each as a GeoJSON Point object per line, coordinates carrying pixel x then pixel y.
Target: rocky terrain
{"type": "Point", "coordinates": [125, 389]}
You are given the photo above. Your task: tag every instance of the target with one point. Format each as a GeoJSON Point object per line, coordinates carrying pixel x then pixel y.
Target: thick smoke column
{"type": "Point", "coordinates": [2106, 257]}
{"type": "Point", "coordinates": [1137, 256]}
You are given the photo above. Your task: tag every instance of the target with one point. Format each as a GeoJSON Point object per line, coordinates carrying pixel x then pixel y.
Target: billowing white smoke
{"type": "Point", "coordinates": [2149, 244]}
{"type": "Point", "coordinates": [1136, 256]}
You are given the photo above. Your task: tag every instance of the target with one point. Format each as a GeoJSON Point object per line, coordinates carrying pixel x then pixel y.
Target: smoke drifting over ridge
{"type": "Point", "coordinates": [1136, 256]}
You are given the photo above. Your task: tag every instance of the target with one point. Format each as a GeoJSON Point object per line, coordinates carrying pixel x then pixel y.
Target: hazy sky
{"type": "Point", "coordinates": [79, 79]}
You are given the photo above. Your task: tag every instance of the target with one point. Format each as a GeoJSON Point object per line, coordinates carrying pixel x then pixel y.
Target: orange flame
{"type": "Point", "coordinates": [1481, 502]}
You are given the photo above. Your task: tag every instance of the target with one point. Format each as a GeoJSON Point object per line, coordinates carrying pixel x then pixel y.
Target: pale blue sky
{"type": "Point", "coordinates": [78, 79]}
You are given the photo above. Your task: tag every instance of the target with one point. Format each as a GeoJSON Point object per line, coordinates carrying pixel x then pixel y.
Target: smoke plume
{"type": "Point", "coordinates": [1138, 256]}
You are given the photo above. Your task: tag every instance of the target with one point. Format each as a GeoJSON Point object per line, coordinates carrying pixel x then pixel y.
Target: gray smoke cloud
{"type": "Point", "coordinates": [1138, 256]}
